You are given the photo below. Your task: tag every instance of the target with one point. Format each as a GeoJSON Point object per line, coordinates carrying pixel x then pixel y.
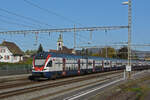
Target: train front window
{"type": "Point", "coordinates": [39, 62]}
{"type": "Point", "coordinates": [49, 64]}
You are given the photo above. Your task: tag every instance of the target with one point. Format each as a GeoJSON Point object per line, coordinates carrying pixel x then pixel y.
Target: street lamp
{"type": "Point", "coordinates": [129, 3]}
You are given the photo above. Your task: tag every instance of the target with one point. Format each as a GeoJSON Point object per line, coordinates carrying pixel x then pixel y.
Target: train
{"type": "Point", "coordinates": [52, 65]}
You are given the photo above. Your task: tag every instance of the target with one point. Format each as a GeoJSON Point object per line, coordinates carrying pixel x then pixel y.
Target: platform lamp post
{"type": "Point", "coordinates": [128, 67]}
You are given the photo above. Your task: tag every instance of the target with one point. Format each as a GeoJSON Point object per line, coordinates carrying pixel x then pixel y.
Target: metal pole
{"type": "Point", "coordinates": [129, 33]}
{"type": "Point", "coordinates": [74, 36]}
{"type": "Point", "coordinates": [124, 75]}
{"type": "Point", "coordinates": [106, 52]}
{"type": "Point", "coordinates": [91, 36]}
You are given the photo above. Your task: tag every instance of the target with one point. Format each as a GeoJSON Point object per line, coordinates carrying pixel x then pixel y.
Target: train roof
{"type": "Point", "coordinates": [43, 55]}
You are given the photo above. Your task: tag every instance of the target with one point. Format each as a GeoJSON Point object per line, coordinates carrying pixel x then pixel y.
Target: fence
{"type": "Point", "coordinates": [15, 69]}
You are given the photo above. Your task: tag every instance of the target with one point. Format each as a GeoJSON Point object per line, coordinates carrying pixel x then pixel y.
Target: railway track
{"type": "Point", "coordinates": [15, 84]}
{"type": "Point", "coordinates": [67, 90]}
{"type": "Point", "coordinates": [25, 81]}
{"type": "Point", "coordinates": [53, 84]}
{"type": "Point", "coordinates": [18, 82]}
{"type": "Point", "coordinates": [7, 80]}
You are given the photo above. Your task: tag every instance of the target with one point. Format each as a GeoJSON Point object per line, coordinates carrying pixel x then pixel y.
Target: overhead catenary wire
{"type": "Point", "coordinates": [77, 35]}
{"type": "Point", "coordinates": [52, 12]}
{"type": "Point", "coordinates": [2, 28]}
{"type": "Point", "coordinates": [80, 35]}
{"type": "Point", "coordinates": [14, 19]}
{"type": "Point", "coordinates": [25, 17]}
{"type": "Point", "coordinates": [67, 29]}
{"type": "Point", "coordinates": [80, 38]}
{"type": "Point", "coordinates": [48, 43]}
{"type": "Point", "coordinates": [22, 45]}
{"type": "Point", "coordinates": [18, 24]}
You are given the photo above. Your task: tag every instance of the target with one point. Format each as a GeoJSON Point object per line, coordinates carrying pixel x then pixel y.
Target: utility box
{"type": "Point", "coordinates": [128, 68]}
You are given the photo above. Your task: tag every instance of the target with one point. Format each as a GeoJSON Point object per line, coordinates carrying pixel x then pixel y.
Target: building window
{"type": "Point", "coordinates": [6, 57]}
{"type": "Point", "coordinates": [2, 50]}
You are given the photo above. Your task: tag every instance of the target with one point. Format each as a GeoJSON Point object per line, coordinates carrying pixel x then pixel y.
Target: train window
{"type": "Point", "coordinates": [90, 63]}
{"type": "Point", "coordinates": [106, 63]}
{"type": "Point", "coordinates": [82, 63]}
{"type": "Point", "coordinates": [39, 62]}
{"type": "Point", "coordinates": [49, 64]}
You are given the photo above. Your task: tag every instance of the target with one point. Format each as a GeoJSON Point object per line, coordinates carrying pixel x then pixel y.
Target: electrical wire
{"type": "Point", "coordinates": [2, 29]}
{"type": "Point", "coordinates": [83, 37]}
{"type": "Point", "coordinates": [51, 12]}
{"type": "Point", "coordinates": [18, 24]}
{"type": "Point", "coordinates": [9, 18]}
{"type": "Point", "coordinates": [25, 17]}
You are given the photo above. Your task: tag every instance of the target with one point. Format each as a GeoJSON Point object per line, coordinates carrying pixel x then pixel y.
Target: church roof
{"type": "Point", "coordinates": [64, 50]}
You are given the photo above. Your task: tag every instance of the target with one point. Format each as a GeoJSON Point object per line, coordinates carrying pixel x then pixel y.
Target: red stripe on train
{"type": "Point", "coordinates": [40, 68]}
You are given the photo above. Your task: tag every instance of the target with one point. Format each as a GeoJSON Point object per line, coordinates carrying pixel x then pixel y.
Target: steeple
{"type": "Point", "coordinates": [60, 38]}
{"type": "Point", "coordinates": [60, 42]}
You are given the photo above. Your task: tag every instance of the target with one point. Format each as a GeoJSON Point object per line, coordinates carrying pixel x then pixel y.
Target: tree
{"type": "Point", "coordinates": [83, 51]}
{"type": "Point", "coordinates": [30, 52]}
{"type": "Point", "coordinates": [111, 52]}
{"type": "Point", "coordinates": [86, 52]}
{"type": "Point", "coordinates": [95, 54]}
{"type": "Point", "coordinates": [108, 52]}
{"type": "Point", "coordinates": [123, 53]}
{"type": "Point", "coordinates": [40, 49]}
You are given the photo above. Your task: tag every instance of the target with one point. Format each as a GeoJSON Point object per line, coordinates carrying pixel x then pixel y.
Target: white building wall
{"type": "Point", "coordinates": [15, 59]}
{"type": "Point", "coordinates": [7, 56]}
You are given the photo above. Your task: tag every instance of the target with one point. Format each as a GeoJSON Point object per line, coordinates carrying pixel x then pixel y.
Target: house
{"type": "Point", "coordinates": [10, 52]}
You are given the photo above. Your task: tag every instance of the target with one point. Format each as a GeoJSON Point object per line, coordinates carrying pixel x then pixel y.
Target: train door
{"type": "Point", "coordinates": [79, 66]}
{"type": "Point", "coordinates": [63, 67]}
{"type": "Point", "coordinates": [102, 65]}
{"type": "Point", "coordinates": [93, 65]}
{"type": "Point", "coordinates": [86, 64]}
{"type": "Point", "coordinates": [110, 65]}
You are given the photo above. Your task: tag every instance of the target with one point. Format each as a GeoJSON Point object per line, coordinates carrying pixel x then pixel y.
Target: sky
{"type": "Point", "coordinates": [66, 13]}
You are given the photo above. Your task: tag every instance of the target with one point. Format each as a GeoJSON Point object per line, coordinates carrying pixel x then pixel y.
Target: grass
{"type": "Point", "coordinates": [137, 87]}
{"type": "Point", "coordinates": [139, 92]}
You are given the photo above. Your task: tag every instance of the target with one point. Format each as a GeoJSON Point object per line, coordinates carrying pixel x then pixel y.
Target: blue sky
{"type": "Point", "coordinates": [86, 12]}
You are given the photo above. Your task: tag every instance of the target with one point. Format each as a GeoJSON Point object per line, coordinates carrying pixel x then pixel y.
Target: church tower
{"type": "Point", "coordinates": [60, 42]}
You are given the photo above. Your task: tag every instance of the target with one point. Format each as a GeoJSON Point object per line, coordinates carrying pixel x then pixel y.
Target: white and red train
{"type": "Point", "coordinates": [52, 65]}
